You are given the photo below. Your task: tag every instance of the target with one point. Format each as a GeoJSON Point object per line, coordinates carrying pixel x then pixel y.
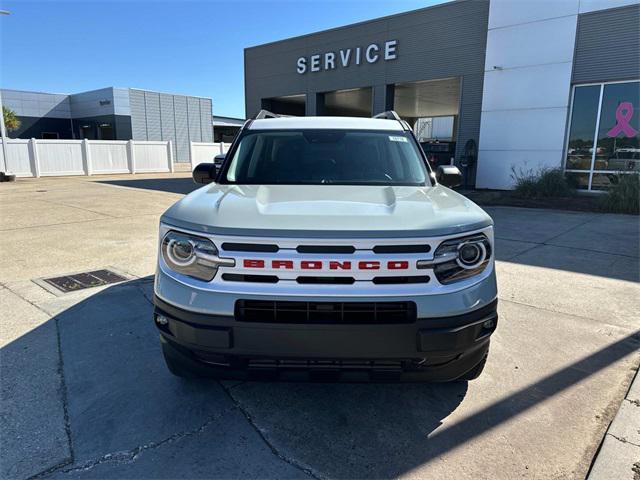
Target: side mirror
{"type": "Point", "coordinates": [449, 176]}
{"type": "Point", "coordinates": [205, 173]}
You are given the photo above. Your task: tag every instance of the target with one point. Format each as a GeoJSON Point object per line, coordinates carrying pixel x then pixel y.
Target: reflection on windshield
{"type": "Point", "coordinates": [317, 157]}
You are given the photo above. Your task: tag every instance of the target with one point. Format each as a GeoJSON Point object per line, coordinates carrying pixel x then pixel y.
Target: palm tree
{"type": "Point", "coordinates": [11, 120]}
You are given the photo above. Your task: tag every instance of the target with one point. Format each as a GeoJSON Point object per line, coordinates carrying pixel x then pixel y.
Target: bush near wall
{"type": "Point", "coordinates": [624, 195]}
{"type": "Point", "coordinates": [546, 183]}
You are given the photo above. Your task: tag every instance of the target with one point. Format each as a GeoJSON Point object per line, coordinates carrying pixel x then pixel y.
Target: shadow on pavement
{"type": "Point", "coordinates": [128, 417]}
{"type": "Point", "coordinates": [171, 185]}
{"type": "Point", "coordinates": [347, 433]}
{"type": "Point", "coordinates": [121, 399]}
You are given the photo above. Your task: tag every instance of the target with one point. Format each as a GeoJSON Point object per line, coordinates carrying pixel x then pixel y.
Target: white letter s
{"type": "Point", "coordinates": [302, 65]}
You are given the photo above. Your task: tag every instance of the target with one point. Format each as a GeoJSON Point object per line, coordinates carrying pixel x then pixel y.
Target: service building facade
{"type": "Point", "coordinates": [504, 87]}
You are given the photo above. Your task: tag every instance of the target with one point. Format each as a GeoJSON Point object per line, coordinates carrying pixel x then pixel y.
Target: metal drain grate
{"type": "Point", "coordinates": [80, 281]}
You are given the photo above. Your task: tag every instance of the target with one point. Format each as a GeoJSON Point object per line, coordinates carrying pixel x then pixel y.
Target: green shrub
{"type": "Point", "coordinates": [624, 195]}
{"type": "Point", "coordinates": [550, 182]}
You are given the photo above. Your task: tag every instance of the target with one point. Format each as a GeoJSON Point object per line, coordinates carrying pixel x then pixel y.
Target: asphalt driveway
{"type": "Point", "coordinates": [85, 392]}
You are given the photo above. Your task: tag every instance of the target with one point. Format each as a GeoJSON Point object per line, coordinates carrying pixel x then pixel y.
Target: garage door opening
{"type": "Point", "coordinates": [432, 108]}
{"type": "Point", "coordinates": [294, 105]}
{"type": "Point", "coordinates": [355, 102]}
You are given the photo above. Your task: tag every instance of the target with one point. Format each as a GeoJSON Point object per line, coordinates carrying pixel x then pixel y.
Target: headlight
{"type": "Point", "coordinates": [460, 258]}
{"type": "Point", "coordinates": [193, 256]}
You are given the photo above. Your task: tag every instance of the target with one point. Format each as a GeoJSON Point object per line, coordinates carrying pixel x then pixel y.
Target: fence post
{"type": "Point", "coordinates": [131, 156]}
{"type": "Point", "coordinates": [35, 161]}
{"type": "Point", "coordinates": [86, 157]}
{"type": "Point", "coordinates": [170, 155]}
{"type": "Point", "coordinates": [221, 147]}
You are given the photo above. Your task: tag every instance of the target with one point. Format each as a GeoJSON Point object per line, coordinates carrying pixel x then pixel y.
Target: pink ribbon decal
{"type": "Point", "coordinates": [624, 112]}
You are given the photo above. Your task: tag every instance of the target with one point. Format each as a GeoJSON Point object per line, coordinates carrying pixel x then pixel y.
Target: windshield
{"type": "Point", "coordinates": [337, 157]}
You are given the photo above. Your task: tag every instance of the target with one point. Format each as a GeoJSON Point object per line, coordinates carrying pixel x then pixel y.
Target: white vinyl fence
{"type": "Point", "coordinates": [39, 158]}
{"type": "Point", "coordinates": [205, 152]}
{"type": "Point", "coordinates": [43, 158]}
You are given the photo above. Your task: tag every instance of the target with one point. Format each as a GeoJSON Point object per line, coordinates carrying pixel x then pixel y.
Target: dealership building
{"type": "Point", "coordinates": [120, 114]}
{"type": "Point", "coordinates": [502, 87]}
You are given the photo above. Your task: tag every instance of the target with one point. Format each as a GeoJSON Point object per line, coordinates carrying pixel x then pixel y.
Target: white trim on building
{"type": "Point", "coordinates": [527, 89]}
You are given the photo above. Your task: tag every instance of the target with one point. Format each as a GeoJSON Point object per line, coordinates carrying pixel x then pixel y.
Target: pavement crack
{"type": "Point", "coordinates": [129, 456]}
{"type": "Point", "coordinates": [57, 467]}
{"type": "Point", "coordinates": [25, 299]}
{"type": "Point", "coordinates": [64, 392]}
{"type": "Point", "coordinates": [63, 204]}
{"type": "Point", "coordinates": [548, 242]}
{"type": "Point", "coordinates": [535, 245]}
{"type": "Point", "coordinates": [624, 440]}
{"type": "Point", "coordinates": [63, 384]}
{"type": "Point", "coordinates": [146, 296]}
{"type": "Point", "coordinates": [551, 310]}
{"type": "Point", "coordinates": [102, 219]}
{"type": "Point", "coordinates": [294, 463]}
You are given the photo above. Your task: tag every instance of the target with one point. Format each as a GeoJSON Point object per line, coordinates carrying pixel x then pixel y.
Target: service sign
{"type": "Point", "coordinates": [347, 57]}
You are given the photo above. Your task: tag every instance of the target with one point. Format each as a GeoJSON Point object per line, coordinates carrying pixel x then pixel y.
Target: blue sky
{"type": "Point", "coordinates": [189, 47]}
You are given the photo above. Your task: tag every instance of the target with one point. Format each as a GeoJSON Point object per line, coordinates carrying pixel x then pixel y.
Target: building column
{"type": "Point", "coordinates": [382, 98]}
{"type": "Point", "coordinates": [314, 104]}
{"type": "Point", "coordinates": [525, 100]}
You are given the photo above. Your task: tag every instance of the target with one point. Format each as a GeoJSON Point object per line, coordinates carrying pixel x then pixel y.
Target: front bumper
{"type": "Point", "coordinates": [431, 348]}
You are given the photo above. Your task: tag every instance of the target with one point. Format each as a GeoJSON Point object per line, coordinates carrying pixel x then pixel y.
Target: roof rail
{"type": "Point", "coordinates": [392, 115]}
{"type": "Point", "coordinates": [265, 114]}
{"type": "Point", "coordinates": [388, 115]}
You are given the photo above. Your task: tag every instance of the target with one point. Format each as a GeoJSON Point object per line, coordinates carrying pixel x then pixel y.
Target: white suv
{"type": "Point", "coordinates": [325, 248]}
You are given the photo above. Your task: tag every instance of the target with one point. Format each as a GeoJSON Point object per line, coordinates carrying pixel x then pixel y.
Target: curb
{"type": "Point", "coordinates": [619, 454]}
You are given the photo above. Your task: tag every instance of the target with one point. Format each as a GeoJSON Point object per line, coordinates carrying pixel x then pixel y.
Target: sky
{"type": "Point", "coordinates": [187, 47]}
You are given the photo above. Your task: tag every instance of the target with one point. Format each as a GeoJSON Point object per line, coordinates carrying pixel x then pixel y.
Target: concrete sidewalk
{"type": "Point", "coordinates": [85, 392]}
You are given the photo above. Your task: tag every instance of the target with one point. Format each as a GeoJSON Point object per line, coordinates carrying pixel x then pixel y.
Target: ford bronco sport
{"type": "Point", "coordinates": [326, 248]}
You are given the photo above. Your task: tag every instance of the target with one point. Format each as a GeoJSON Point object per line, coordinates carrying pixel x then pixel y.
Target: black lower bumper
{"type": "Point", "coordinates": [437, 349]}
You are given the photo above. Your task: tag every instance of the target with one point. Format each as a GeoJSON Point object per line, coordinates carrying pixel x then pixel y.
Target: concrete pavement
{"type": "Point", "coordinates": [85, 392]}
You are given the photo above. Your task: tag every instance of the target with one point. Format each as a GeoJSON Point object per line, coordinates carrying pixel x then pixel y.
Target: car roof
{"type": "Point", "coordinates": [339, 123]}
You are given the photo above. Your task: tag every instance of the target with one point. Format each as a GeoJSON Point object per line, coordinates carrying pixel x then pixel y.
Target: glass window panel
{"type": "Point", "coordinates": [618, 145]}
{"type": "Point", "coordinates": [583, 127]}
{"type": "Point", "coordinates": [578, 180]}
{"type": "Point", "coordinates": [602, 181]}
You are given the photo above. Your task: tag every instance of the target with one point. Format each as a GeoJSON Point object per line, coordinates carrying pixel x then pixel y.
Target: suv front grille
{"type": "Point", "coordinates": [401, 280]}
{"type": "Point", "coordinates": [237, 277]}
{"type": "Point", "coordinates": [343, 249]}
{"type": "Point", "coordinates": [325, 249]}
{"type": "Point", "coordinates": [249, 247]}
{"type": "Point", "coordinates": [341, 313]}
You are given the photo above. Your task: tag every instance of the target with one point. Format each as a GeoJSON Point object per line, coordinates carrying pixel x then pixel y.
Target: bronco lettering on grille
{"type": "Point", "coordinates": [332, 265]}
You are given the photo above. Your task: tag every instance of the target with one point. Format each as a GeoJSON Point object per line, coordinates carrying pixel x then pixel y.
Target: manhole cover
{"type": "Point", "coordinates": [80, 281]}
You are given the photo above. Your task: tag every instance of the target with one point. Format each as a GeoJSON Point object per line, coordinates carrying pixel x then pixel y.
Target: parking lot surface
{"type": "Point", "coordinates": [85, 393]}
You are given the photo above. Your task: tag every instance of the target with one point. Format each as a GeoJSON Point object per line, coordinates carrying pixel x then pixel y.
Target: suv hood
{"type": "Point", "coordinates": [329, 211]}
